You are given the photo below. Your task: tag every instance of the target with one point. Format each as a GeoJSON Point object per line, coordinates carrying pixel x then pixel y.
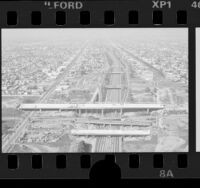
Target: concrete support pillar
{"type": "Point", "coordinates": [157, 124]}
{"type": "Point", "coordinates": [121, 111]}
{"type": "Point", "coordinates": [100, 97]}
{"type": "Point", "coordinates": [76, 112]}
{"type": "Point", "coordinates": [102, 113]}
{"type": "Point", "coordinates": [120, 95]}
{"type": "Point", "coordinates": [120, 143]}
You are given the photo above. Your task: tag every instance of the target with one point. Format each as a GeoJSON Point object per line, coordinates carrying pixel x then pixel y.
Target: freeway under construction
{"type": "Point", "coordinates": [107, 139]}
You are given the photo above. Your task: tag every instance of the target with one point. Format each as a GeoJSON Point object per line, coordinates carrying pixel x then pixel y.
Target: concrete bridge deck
{"type": "Point", "coordinates": [120, 123]}
{"type": "Point", "coordinates": [106, 132]}
{"type": "Point", "coordinates": [98, 106]}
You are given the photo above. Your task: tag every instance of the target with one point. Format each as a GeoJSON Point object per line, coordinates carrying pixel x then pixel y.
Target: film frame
{"type": "Point", "coordinates": [174, 164]}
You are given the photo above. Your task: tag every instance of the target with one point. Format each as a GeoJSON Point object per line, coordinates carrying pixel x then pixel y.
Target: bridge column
{"type": "Point", "coordinates": [120, 143]}
{"type": "Point", "coordinates": [79, 112]}
{"type": "Point", "coordinates": [100, 94]}
{"type": "Point", "coordinates": [157, 124]}
{"type": "Point", "coordinates": [160, 120]}
{"type": "Point", "coordinates": [102, 114]}
{"type": "Point", "coordinates": [121, 111]}
{"type": "Point", "coordinates": [120, 95]}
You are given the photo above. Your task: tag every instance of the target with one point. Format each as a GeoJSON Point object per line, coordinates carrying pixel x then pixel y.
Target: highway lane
{"type": "Point", "coordinates": [8, 145]}
{"type": "Point", "coordinates": [108, 144]}
{"type": "Point", "coordinates": [113, 95]}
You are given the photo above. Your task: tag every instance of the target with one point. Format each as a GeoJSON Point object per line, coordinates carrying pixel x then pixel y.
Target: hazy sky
{"type": "Point", "coordinates": [36, 35]}
{"type": "Point", "coordinates": [198, 87]}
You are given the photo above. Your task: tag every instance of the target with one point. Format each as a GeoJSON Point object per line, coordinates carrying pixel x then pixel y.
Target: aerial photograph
{"type": "Point", "coordinates": [94, 90]}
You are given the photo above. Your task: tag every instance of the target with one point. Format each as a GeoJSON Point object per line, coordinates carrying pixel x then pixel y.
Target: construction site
{"type": "Point", "coordinates": [105, 99]}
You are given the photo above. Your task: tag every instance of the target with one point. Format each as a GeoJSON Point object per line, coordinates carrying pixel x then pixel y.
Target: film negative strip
{"type": "Point", "coordinates": [92, 86]}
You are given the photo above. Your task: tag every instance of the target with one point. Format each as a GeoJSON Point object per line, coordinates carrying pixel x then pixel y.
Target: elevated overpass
{"type": "Point", "coordinates": [113, 87]}
{"type": "Point", "coordinates": [98, 106]}
{"type": "Point", "coordinates": [106, 132]}
{"type": "Point", "coordinates": [119, 123]}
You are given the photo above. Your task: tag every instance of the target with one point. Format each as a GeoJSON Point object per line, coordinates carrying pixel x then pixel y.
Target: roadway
{"type": "Point", "coordinates": [116, 123]}
{"type": "Point", "coordinates": [113, 95]}
{"type": "Point", "coordinates": [116, 133]}
{"type": "Point", "coordinates": [159, 75]}
{"type": "Point", "coordinates": [108, 144]}
{"type": "Point", "coordinates": [112, 105]}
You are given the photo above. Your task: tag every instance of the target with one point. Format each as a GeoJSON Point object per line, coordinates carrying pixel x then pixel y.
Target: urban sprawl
{"type": "Point", "coordinates": [95, 96]}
